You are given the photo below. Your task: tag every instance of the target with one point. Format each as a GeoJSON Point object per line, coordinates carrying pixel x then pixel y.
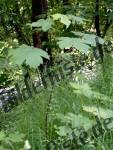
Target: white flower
{"type": "Point", "coordinates": [27, 145]}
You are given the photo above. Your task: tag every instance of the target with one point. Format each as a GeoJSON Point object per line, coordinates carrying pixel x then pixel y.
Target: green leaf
{"type": "Point", "coordinates": [83, 89]}
{"type": "Point", "coordinates": [79, 121]}
{"type": "Point", "coordinates": [67, 42]}
{"type": "Point", "coordinates": [45, 24]}
{"type": "Point", "coordinates": [63, 19]}
{"type": "Point", "coordinates": [63, 131]}
{"type": "Point", "coordinates": [32, 56]}
{"type": "Point", "coordinates": [89, 38]}
{"type": "Point", "coordinates": [100, 112]}
{"type": "Point", "coordinates": [16, 137]}
{"type": "Point", "coordinates": [67, 19]}
{"type": "Point", "coordinates": [76, 121]}
{"type": "Point", "coordinates": [75, 19]}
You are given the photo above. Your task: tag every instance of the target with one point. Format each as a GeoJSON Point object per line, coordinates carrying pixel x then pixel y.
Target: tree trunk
{"type": "Point", "coordinates": [97, 19]}
{"type": "Point", "coordinates": [39, 8]}
{"type": "Point", "coordinates": [97, 27]}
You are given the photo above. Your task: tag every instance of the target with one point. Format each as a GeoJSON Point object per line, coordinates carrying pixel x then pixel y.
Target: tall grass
{"type": "Point", "coordinates": [36, 118]}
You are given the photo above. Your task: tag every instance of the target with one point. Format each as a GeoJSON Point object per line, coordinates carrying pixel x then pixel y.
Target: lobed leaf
{"type": "Point", "coordinates": [68, 42]}
{"type": "Point", "coordinates": [100, 112]}
{"type": "Point", "coordinates": [32, 56]}
{"type": "Point", "coordinates": [44, 24]}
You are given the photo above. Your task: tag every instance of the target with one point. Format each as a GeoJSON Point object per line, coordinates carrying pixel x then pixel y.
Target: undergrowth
{"type": "Point", "coordinates": [57, 112]}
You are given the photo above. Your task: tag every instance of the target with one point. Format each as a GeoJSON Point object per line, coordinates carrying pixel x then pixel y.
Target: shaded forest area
{"type": "Point", "coordinates": [56, 75]}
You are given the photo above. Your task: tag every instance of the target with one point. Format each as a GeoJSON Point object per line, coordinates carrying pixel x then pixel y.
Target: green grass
{"type": "Point", "coordinates": [37, 117]}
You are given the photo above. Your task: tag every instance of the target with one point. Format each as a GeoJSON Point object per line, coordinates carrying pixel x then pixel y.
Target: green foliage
{"type": "Point", "coordinates": [63, 19]}
{"type": "Point", "coordinates": [28, 54]}
{"type": "Point", "coordinates": [8, 141]}
{"type": "Point", "coordinates": [44, 24]}
{"type": "Point", "coordinates": [85, 90]}
{"type": "Point", "coordinates": [76, 121]}
{"type": "Point", "coordinates": [83, 44]}
{"type": "Point", "coordinates": [3, 58]}
{"type": "Point", "coordinates": [67, 19]}
{"type": "Point", "coordinates": [110, 15]}
{"type": "Point", "coordinates": [73, 103]}
{"type": "Point", "coordinates": [66, 42]}
{"type": "Point", "coordinates": [90, 39]}
{"type": "Point", "coordinates": [100, 112]}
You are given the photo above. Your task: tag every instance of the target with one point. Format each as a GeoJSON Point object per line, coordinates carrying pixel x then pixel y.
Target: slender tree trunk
{"type": "Point", "coordinates": [97, 27]}
{"type": "Point", "coordinates": [39, 8]}
{"type": "Point", "coordinates": [97, 19]}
